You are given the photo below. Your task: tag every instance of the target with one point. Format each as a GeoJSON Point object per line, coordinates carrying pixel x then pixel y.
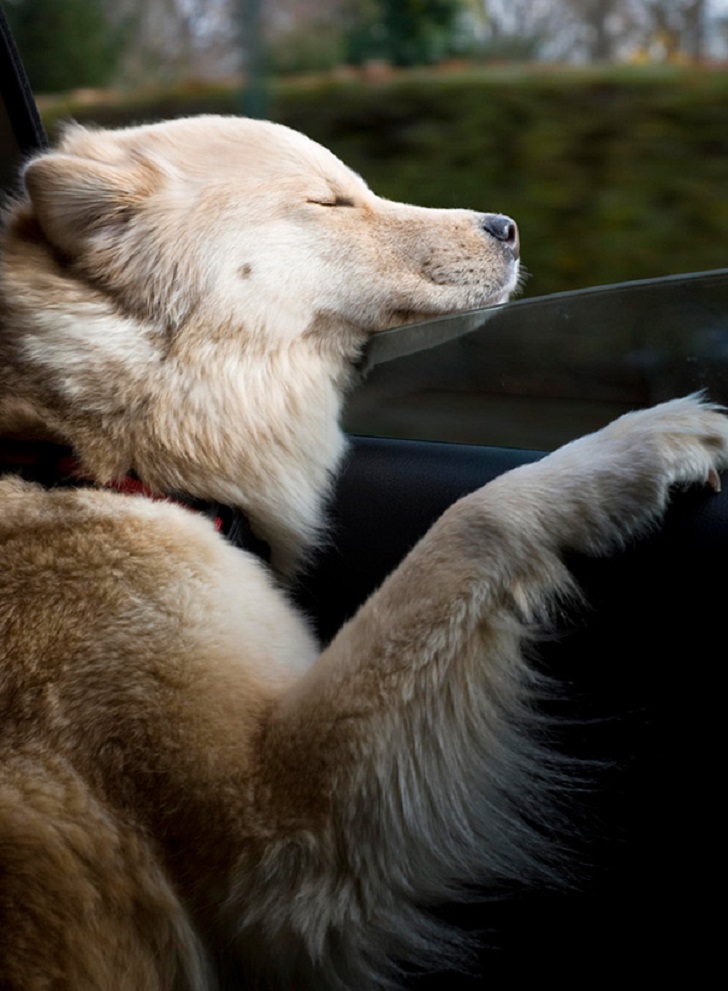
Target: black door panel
{"type": "Point", "coordinates": [636, 669]}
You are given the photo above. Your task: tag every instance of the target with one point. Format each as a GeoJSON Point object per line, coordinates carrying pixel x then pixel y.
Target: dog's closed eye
{"type": "Point", "coordinates": [335, 201]}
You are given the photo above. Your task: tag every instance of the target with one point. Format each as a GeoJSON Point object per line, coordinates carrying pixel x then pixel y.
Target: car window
{"type": "Point", "coordinates": [538, 372]}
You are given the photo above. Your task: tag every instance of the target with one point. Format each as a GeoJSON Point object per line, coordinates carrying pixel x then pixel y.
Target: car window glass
{"type": "Point", "coordinates": [538, 372]}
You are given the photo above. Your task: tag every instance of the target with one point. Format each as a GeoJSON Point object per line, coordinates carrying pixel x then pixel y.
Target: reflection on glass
{"type": "Point", "coordinates": [538, 372]}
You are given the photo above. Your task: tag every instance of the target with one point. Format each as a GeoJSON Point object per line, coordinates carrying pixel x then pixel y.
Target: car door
{"type": "Point", "coordinates": [629, 663]}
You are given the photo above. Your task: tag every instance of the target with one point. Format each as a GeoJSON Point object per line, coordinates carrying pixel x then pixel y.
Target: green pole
{"type": "Point", "coordinates": [254, 99]}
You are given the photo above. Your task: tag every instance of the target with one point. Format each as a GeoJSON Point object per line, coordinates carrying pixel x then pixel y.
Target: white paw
{"type": "Point", "coordinates": [604, 489]}
{"type": "Point", "coordinates": [684, 441]}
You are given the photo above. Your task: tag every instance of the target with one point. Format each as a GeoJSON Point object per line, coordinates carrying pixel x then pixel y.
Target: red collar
{"type": "Point", "coordinates": [131, 485]}
{"type": "Point", "coordinates": [55, 466]}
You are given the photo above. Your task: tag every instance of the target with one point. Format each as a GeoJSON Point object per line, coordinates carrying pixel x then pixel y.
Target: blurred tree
{"type": "Point", "coordinates": [64, 43]}
{"type": "Point", "coordinates": [173, 39]}
{"type": "Point", "coordinates": [208, 39]}
{"type": "Point", "coordinates": [695, 16]}
{"type": "Point", "coordinates": [601, 30]}
{"type": "Point", "coordinates": [403, 32]}
{"type": "Point", "coordinates": [303, 35]}
{"type": "Point", "coordinates": [676, 26]}
{"type": "Point", "coordinates": [602, 26]}
{"type": "Point", "coordinates": [529, 29]}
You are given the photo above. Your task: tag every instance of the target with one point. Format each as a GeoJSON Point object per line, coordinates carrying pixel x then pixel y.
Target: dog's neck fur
{"type": "Point", "coordinates": [200, 411]}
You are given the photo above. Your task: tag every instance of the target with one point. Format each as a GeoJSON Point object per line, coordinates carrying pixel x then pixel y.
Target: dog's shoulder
{"type": "Point", "coordinates": [147, 578]}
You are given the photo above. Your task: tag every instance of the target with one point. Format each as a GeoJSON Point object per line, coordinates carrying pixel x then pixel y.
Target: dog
{"type": "Point", "coordinates": [190, 788]}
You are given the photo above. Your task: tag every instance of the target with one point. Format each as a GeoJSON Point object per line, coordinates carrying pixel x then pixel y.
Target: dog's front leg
{"type": "Point", "coordinates": [406, 762]}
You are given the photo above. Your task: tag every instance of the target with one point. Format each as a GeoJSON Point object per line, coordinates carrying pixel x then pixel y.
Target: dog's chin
{"type": "Point", "coordinates": [510, 287]}
{"type": "Point", "coordinates": [401, 318]}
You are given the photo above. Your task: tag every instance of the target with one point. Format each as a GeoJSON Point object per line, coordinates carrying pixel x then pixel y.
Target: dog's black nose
{"type": "Point", "coordinates": [502, 228]}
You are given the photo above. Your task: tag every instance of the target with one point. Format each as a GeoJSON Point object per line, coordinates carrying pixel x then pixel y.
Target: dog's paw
{"type": "Point", "coordinates": [601, 490]}
{"type": "Point", "coordinates": [630, 467]}
{"type": "Point", "coordinates": [683, 442]}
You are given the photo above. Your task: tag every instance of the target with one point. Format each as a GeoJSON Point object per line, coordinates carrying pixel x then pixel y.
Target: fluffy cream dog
{"type": "Point", "coordinates": [189, 788]}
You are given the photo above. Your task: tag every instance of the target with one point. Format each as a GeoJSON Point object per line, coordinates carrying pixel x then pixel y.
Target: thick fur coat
{"type": "Point", "coordinates": [189, 786]}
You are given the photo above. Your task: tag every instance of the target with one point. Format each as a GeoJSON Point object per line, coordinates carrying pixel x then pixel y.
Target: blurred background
{"type": "Point", "coordinates": [601, 125]}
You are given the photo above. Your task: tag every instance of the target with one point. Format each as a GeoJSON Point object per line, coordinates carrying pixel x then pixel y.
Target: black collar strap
{"type": "Point", "coordinates": [55, 466]}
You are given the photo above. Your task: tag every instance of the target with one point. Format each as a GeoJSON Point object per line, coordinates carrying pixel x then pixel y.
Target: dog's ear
{"type": "Point", "coordinates": [74, 198]}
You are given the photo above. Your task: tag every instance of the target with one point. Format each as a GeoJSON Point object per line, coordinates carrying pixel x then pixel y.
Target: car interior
{"type": "Point", "coordinates": [637, 702]}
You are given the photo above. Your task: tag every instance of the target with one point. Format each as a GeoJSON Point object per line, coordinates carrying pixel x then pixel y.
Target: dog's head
{"type": "Point", "coordinates": [251, 220]}
{"type": "Point", "coordinates": [185, 299]}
